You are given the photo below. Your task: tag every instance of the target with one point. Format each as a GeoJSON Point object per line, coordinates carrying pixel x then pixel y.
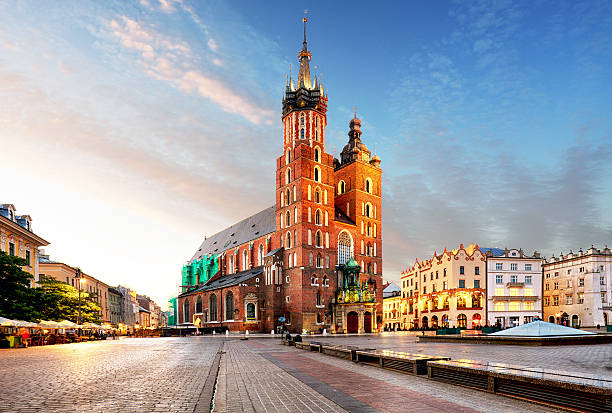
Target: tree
{"type": "Point", "coordinates": [60, 301]}
{"type": "Point", "coordinates": [17, 299]}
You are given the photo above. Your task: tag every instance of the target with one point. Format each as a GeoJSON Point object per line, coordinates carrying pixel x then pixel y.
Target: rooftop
{"type": "Point", "coordinates": [255, 226]}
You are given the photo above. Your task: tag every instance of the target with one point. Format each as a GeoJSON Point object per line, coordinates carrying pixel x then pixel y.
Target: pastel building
{"type": "Point", "coordinates": [18, 239]}
{"type": "Point", "coordinates": [577, 288]}
{"type": "Point", "coordinates": [88, 284]}
{"type": "Point", "coordinates": [514, 287]}
{"type": "Point", "coordinates": [447, 290]}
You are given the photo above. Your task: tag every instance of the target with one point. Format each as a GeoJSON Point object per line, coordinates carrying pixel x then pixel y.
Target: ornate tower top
{"type": "Point", "coordinates": [305, 95]}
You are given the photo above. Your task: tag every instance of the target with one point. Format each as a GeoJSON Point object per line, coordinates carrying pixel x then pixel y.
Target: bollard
{"type": "Point", "coordinates": [227, 332]}
{"type": "Point", "coordinates": [246, 333]}
{"type": "Point", "coordinates": [324, 331]}
{"type": "Point", "coordinates": [214, 332]}
{"type": "Point", "coordinates": [272, 332]}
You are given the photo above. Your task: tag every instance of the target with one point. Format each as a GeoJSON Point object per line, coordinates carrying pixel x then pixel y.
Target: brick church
{"type": "Point", "coordinates": [313, 260]}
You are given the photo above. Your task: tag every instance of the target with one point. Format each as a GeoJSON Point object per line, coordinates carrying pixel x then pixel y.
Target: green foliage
{"type": "Point", "coordinates": [60, 301]}
{"type": "Point", "coordinates": [17, 299]}
{"type": "Point", "coordinates": [51, 300]}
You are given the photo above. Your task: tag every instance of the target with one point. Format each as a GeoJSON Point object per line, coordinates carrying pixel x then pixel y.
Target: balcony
{"type": "Point", "coordinates": [514, 284]}
{"type": "Point", "coordinates": [515, 298]}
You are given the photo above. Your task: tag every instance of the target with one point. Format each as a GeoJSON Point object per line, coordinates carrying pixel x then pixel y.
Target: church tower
{"type": "Point", "coordinates": [305, 200]}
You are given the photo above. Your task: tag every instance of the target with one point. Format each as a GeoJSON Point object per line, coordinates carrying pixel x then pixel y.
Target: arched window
{"type": "Point", "coordinates": [369, 229]}
{"type": "Point", "coordinates": [302, 120]}
{"type": "Point", "coordinates": [231, 264]}
{"type": "Point", "coordinates": [318, 298]}
{"type": "Point", "coordinates": [345, 247]}
{"type": "Point", "coordinates": [462, 321]}
{"type": "Point", "coordinates": [250, 311]}
{"type": "Point", "coordinates": [198, 307]}
{"type": "Point", "coordinates": [317, 197]}
{"type": "Point", "coordinates": [475, 300]}
{"type": "Point", "coordinates": [295, 218]}
{"type": "Point", "coordinates": [369, 249]}
{"type": "Point", "coordinates": [212, 307]}
{"type": "Point", "coordinates": [316, 119]}
{"type": "Point", "coordinates": [460, 302]}
{"type": "Point", "coordinates": [341, 187]}
{"type": "Point", "coordinates": [317, 174]}
{"type": "Point", "coordinates": [318, 217]}
{"type": "Point", "coordinates": [294, 194]}
{"type": "Point", "coordinates": [368, 210]}
{"type": "Point", "coordinates": [310, 259]}
{"type": "Point", "coordinates": [325, 281]}
{"type": "Point", "coordinates": [319, 261]}
{"type": "Point", "coordinates": [302, 133]}
{"type": "Point", "coordinates": [309, 192]}
{"type": "Point", "coordinates": [229, 305]}
{"type": "Point", "coordinates": [260, 255]}
{"type": "Point", "coordinates": [186, 315]}
{"type": "Point", "coordinates": [245, 260]}
{"type": "Point", "coordinates": [288, 196]}
{"type": "Point", "coordinates": [288, 219]}
{"type": "Point", "coordinates": [317, 154]}
{"type": "Point", "coordinates": [288, 176]}
{"type": "Point", "coordinates": [319, 318]}
{"type": "Point", "coordinates": [288, 156]}
{"type": "Point", "coordinates": [288, 240]}
{"type": "Point", "coordinates": [313, 280]}
{"type": "Point", "coordinates": [319, 239]}
{"type": "Point", "coordinates": [368, 186]}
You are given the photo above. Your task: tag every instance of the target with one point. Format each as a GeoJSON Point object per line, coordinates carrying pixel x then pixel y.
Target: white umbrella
{"type": "Point", "coordinates": [67, 324]}
{"type": "Point", "coordinates": [27, 324]}
{"type": "Point", "coordinates": [49, 324]}
{"type": "Point", "coordinates": [7, 322]}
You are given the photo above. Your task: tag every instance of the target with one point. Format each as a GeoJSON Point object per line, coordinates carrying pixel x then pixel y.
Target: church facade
{"type": "Point", "coordinates": [313, 260]}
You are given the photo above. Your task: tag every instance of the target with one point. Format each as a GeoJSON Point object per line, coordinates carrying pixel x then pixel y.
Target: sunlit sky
{"type": "Point", "coordinates": [129, 130]}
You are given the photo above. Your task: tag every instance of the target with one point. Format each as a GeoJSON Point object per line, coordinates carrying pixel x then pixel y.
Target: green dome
{"type": "Point", "coordinates": [351, 264]}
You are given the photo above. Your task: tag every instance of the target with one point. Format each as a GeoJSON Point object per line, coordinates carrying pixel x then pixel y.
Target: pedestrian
{"type": "Point", "coordinates": [25, 335]}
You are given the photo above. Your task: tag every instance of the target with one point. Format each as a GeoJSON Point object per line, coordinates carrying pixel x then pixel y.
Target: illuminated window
{"type": "Point", "coordinates": [514, 292]}
{"type": "Point", "coordinates": [341, 188]}
{"type": "Point", "coordinates": [529, 292]}
{"type": "Point", "coordinates": [528, 306]}
{"type": "Point", "coordinates": [515, 306]}
{"type": "Point", "coordinates": [345, 248]}
{"type": "Point", "coordinates": [500, 306]}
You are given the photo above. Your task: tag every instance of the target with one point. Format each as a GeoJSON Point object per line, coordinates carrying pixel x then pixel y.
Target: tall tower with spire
{"type": "Point", "coordinates": [305, 197]}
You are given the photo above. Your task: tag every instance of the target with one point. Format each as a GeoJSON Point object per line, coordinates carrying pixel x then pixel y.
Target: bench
{"type": "Point", "coordinates": [340, 351]}
{"type": "Point", "coordinates": [396, 360]}
{"type": "Point", "coordinates": [572, 390]}
{"type": "Point", "coordinates": [302, 345]}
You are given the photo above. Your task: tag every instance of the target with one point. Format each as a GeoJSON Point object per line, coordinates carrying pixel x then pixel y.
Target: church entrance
{"type": "Point", "coordinates": [352, 323]}
{"type": "Point", "coordinates": [367, 322]}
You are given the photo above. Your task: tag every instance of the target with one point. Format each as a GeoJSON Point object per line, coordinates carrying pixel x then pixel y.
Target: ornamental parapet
{"type": "Point", "coordinates": [355, 294]}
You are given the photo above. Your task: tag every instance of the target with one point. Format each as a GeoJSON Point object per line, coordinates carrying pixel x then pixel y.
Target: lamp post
{"type": "Point", "coordinates": [79, 278]}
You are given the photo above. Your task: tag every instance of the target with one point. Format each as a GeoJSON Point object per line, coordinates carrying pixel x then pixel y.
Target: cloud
{"type": "Point", "coordinates": [171, 60]}
{"type": "Point", "coordinates": [212, 44]}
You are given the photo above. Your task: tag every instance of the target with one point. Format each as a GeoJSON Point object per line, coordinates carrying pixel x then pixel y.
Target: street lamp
{"type": "Point", "coordinates": [80, 279]}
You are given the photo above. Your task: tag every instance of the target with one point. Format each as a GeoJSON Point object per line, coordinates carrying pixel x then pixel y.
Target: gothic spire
{"type": "Point", "coordinates": [304, 56]}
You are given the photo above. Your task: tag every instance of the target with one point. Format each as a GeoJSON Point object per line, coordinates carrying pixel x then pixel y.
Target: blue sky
{"type": "Point", "coordinates": [134, 128]}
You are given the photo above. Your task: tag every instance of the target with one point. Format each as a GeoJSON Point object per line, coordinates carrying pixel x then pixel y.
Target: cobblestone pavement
{"type": "Point", "coordinates": [247, 382]}
{"type": "Point", "coordinates": [594, 359]}
{"type": "Point", "coordinates": [128, 375]}
{"type": "Point", "coordinates": [360, 387]}
{"type": "Point", "coordinates": [168, 375]}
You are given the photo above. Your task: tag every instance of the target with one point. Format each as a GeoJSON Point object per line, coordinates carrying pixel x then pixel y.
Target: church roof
{"type": "Point", "coordinates": [227, 280]}
{"type": "Point", "coordinates": [541, 328]}
{"type": "Point", "coordinates": [255, 226]}
{"type": "Point", "coordinates": [342, 217]}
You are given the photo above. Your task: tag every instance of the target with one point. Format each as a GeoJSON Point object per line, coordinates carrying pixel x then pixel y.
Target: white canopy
{"type": "Point", "coordinates": [67, 324]}
{"type": "Point", "coordinates": [7, 322]}
{"type": "Point", "coordinates": [49, 324]}
{"type": "Point", "coordinates": [541, 328]}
